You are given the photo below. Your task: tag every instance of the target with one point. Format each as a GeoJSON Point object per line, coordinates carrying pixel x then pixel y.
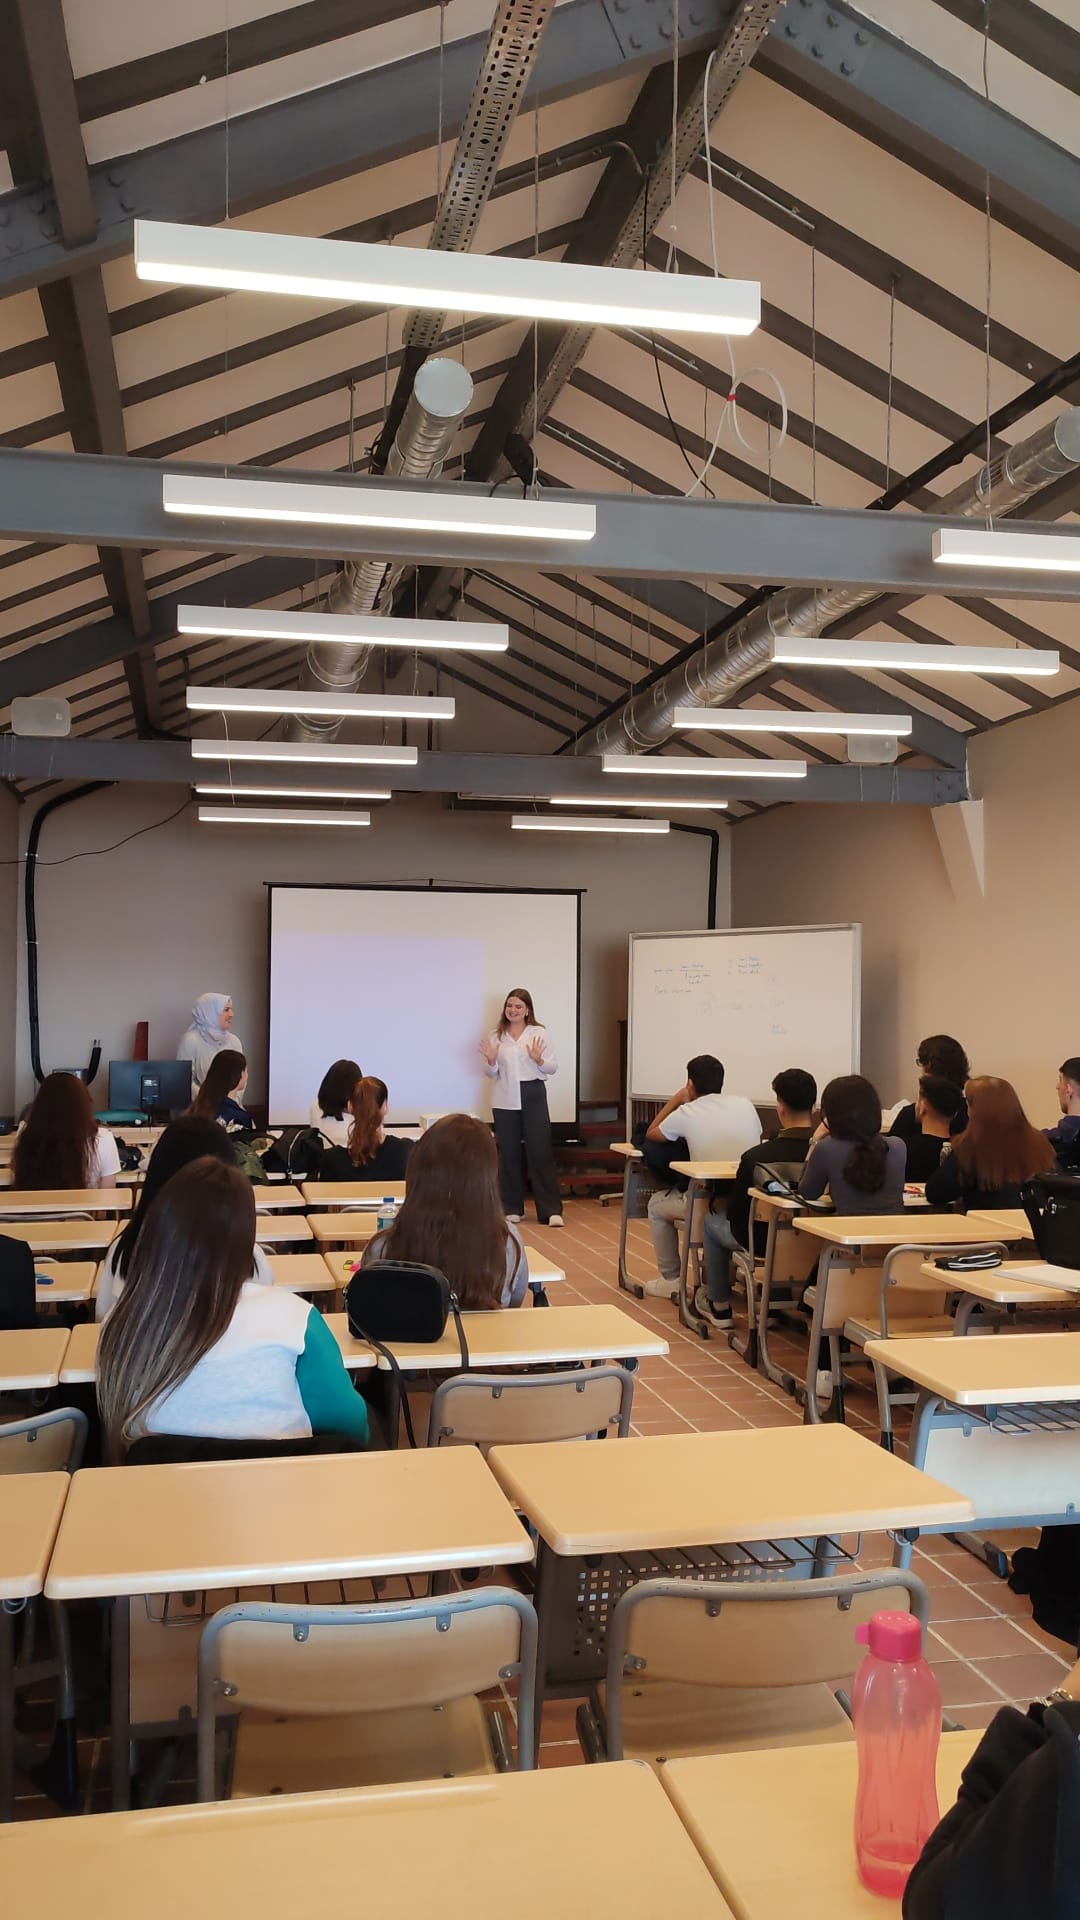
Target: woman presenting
{"type": "Point", "coordinates": [520, 1058]}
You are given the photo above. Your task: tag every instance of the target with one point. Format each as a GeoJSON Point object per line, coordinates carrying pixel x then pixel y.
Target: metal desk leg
{"type": "Point", "coordinates": [120, 1703]}
{"type": "Point", "coordinates": [927, 1407]}
{"type": "Point", "coordinates": [629, 1185]}
{"type": "Point", "coordinates": [540, 1298]}
{"type": "Point", "coordinates": [546, 1596]}
{"type": "Point", "coordinates": [687, 1315]}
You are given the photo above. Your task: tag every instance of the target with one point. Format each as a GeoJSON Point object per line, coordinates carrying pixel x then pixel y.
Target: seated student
{"type": "Point", "coordinates": [185, 1140]}
{"type": "Point", "coordinates": [715, 1126]}
{"type": "Point", "coordinates": [330, 1109]}
{"type": "Point", "coordinates": [195, 1347]}
{"type": "Point", "coordinates": [221, 1093]}
{"type": "Point", "coordinates": [452, 1217]}
{"type": "Point", "coordinates": [943, 1058]}
{"type": "Point", "coordinates": [862, 1168]}
{"type": "Point", "coordinates": [371, 1154]}
{"type": "Point", "coordinates": [998, 1150]}
{"type": "Point", "coordinates": [936, 1108]}
{"type": "Point", "coordinates": [60, 1143]}
{"type": "Point", "coordinates": [1065, 1137]}
{"type": "Point", "coordinates": [727, 1225]}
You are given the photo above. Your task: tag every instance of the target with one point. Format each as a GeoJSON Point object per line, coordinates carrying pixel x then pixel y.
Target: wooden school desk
{"type": "Point", "coordinates": [280, 1198]}
{"type": "Point", "coordinates": [1000, 1416]}
{"type": "Point", "coordinates": [597, 1841]}
{"type": "Point", "coordinates": [30, 1509]}
{"type": "Point", "coordinates": [787, 1488]}
{"type": "Point", "coordinates": [31, 1358]}
{"type": "Point", "coordinates": [737, 1807]}
{"type": "Point", "coordinates": [40, 1203]}
{"type": "Point", "coordinates": [62, 1236]}
{"type": "Point", "coordinates": [510, 1338]}
{"type": "Point", "coordinates": [1010, 1221]}
{"type": "Point", "coordinates": [68, 1283]}
{"type": "Point", "coordinates": [279, 1229]}
{"type": "Point", "coordinates": [543, 1272]}
{"type": "Point", "coordinates": [701, 1174]}
{"type": "Point", "coordinates": [638, 1184]}
{"type": "Point", "coordinates": [351, 1227]}
{"type": "Point", "coordinates": [223, 1524]}
{"type": "Point", "coordinates": [1006, 1286]}
{"type": "Point", "coordinates": [331, 1194]}
{"type": "Point", "coordinates": [302, 1273]}
{"type": "Point", "coordinates": [843, 1291]}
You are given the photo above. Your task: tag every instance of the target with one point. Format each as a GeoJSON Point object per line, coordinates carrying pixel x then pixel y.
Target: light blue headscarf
{"type": "Point", "coordinates": [206, 1035]}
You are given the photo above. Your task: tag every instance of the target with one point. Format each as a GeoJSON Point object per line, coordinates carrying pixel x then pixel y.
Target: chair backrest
{"type": "Point", "coordinates": [768, 1633]}
{"type": "Point", "coordinates": [46, 1443]}
{"type": "Point", "coordinates": [316, 1661]}
{"type": "Point", "coordinates": [170, 1449]}
{"type": "Point", "coordinates": [790, 1257]}
{"type": "Point", "coordinates": [492, 1409]}
{"type": "Point", "coordinates": [905, 1289]}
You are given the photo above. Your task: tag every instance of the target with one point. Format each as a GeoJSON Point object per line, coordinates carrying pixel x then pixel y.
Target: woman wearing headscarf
{"type": "Point", "coordinates": [210, 1031]}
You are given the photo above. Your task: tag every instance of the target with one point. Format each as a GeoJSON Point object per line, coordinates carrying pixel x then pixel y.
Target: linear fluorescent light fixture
{"type": "Point", "coordinates": [294, 793]}
{"type": "Point", "coordinates": [282, 817]}
{"type": "Point", "coordinates": [296, 753]}
{"type": "Point", "coordinates": [594, 823]}
{"type": "Point", "coordinates": [385, 276]}
{"type": "Point", "coordinates": [1004, 547]}
{"type": "Point", "coordinates": [766, 720]}
{"type": "Point", "coordinates": [383, 509]}
{"type": "Point", "coordinates": [637, 800]}
{"type": "Point", "coordinates": [343, 629]}
{"type": "Point", "coordinates": [704, 769]}
{"type": "Point", "coordinates": [908, 656]}
{"type": "Point", "coordinates": [345, 706]}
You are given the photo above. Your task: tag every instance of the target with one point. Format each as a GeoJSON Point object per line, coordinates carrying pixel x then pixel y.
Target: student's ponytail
{"type": "Point", "coordinates": [852, 1112]}
{"type": "Point", "coordinates": [865, 1171]}
{"type": "Point", "coordinates": [366, 1105]}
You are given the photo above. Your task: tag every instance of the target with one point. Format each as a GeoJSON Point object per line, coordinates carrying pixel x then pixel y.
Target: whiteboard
{"type": "Point", "coordinates": [406, 981]}
{"type": "Point", "coordinates": [759, 998]}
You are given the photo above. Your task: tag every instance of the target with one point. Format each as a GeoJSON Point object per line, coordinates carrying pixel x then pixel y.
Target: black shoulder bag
{"type": "Point", "coordinates": [1052, 1204]}
{"type": "Point", "coordinates": [402, 1300]}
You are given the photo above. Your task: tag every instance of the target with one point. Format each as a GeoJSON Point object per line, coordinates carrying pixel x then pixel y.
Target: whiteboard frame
{"type": "Point", "coordinates": [725, 933]}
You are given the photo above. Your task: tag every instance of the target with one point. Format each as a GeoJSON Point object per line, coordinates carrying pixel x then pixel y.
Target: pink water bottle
{"type": "Point", "coordinates": [896, 1712]}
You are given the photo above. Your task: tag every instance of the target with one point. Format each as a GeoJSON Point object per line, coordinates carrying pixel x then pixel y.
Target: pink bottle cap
{"type": "Point", "coordinates": [891, 1636]}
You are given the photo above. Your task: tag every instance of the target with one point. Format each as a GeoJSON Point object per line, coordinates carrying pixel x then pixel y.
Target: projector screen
{"type": "Point", "coordinates": [407, 981]}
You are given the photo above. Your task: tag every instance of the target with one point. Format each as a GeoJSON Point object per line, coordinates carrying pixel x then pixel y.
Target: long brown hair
{"type": "Point", "coordinates": [368, 1098]}
{"type": "Point", "coordinates": [999, 1147]}
{"type": "Point", "coordinates": [226, 1070]}
{"type": "Point", "coordinates": [853, 1112]}
{"type": "Point", "coordinates": [518, 993]}
{"type": "Point", "coordinates": [193, 1256]}
{"type": "Point", "coordinates": [56, 1145]}
{"type": "Point", "coordinates": [452, 1216]}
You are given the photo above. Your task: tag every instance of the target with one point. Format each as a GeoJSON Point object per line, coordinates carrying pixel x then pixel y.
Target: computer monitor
{"type": "Point", "coordinates": [149, 1086]}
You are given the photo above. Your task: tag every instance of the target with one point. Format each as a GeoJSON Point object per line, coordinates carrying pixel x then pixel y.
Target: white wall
{"type": "Point", "coordinates": [138, 932]}
{"type": "Point", "coordinates": [1000, 972]}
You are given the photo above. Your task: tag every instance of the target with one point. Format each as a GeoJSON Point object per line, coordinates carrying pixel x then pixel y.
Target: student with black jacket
{"type": "Point", "coordinates": [728, 1227]}
{"type": "Point", "coordinates": [371, 1153]}
{"type": "Point", "coordinates": [943, 1058]}
{"type": "Point", "coordinates": [998, 1150]}
{"type": "Point", "coordinates": [936, 1109]}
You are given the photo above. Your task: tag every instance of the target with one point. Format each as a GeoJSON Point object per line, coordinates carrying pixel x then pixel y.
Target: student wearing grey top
{"type": "Point", "coordinates": [862, 1168]}
{"type": "Point", "coordinates": [452, 1217]}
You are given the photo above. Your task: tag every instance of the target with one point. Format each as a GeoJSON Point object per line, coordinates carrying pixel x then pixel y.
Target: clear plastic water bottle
{"type": "Point", "coordinates": [896, 1713]}
{"type": "Point", "coordinates": [387, 1214]}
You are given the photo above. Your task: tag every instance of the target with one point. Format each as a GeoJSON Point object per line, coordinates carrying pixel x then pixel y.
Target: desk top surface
{"type": "Point", "coordinates": [65, 1283]}
{"type": "Point", "coordinates": [302, 1272]}
{"type": "Point", "coordinates": [912, 1228]}
{"type": "Point", "coordinates": [30, 1509]}
{"type": "Point", "coordinates": [518, 1337]}
{"type": "Point", "coordinates": [35, 1201]}
{"type": "Point", "coordinates": [1007, 1285]}
{"type": "Point", "coordinates": [626, 1150]}
{"type": "Point", "coordinates": [237, 1523]}
{"type": "Point", "coordinates": [700, 1489]}
{"type": "Point", "coordinates": [731, 1804]}
{"type": "Point", "coordinates": [326, 1194]}
{"type": "Point", "coordinates": [1011, 1219]}
{"type": "Point", "coordinates": [277, 1195]}
{"type": "Point", "coordinates": [31, 1357]}
{"type": "Point", "coordinates": [1007, 1370]}
{"type": "Point", "coordinates": [706, 1169]}
{"type": "Point", "coordinates": [542, 1271]}
{"type": "Point", "coordinates": [271, 1227]}
{"type": "Point", "coordinates": [599, 1840]}
{"type": "Point", "coordinates": [46, 1236]}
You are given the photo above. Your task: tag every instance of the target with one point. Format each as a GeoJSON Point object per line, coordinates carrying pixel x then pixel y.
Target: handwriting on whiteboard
{"type": "Point", "coordinates": [740, 984]}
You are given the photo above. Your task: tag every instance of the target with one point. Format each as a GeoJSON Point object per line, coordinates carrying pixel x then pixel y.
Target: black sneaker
{"type": "Point", "coordinates": [713, 1312]}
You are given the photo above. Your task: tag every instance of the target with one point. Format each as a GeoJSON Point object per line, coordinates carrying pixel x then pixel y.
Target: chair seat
{"type": "Point", "coordinates": [666, 1720]}
{"type": "Point", "coordinates": [867, 1326]}
{"type": "Point", "coordinates": [360, 1750]}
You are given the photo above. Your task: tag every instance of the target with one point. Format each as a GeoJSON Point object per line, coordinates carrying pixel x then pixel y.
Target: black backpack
{"type": "Point", "coordinates": [402, 1300]}
{"type": "Point", "coordinates": [18, 1293]}
{"type": "Point", "coordinates": [1052, 1204]}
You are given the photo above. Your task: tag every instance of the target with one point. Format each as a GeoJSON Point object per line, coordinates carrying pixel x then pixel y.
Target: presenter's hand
{"type": "Point", "coordinates": [490, 1051]}
{"type": "Point", "coordinates": [535, 1050]}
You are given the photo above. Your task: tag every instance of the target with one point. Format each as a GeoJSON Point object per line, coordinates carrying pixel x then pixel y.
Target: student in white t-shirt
{"type": "Point", "coordinates": [716, 1126]}
{"type": "Point", "coordinates": [60, 1144]}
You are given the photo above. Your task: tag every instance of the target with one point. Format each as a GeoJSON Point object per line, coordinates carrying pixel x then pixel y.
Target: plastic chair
{"type": "Point", "coordinates": [44, 1443]}
{"type": "Point", "coordinates": [497, 1409]}
{"type": "Point", "coordinates": [365, 1695]}
{"type": "Point", "coordinates": [911, 1305]}
{"type": "Point", "coordinates": [713, 1667]}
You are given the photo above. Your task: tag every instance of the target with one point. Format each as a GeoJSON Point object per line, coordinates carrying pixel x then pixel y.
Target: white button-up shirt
{"type": "Point", "coordinates": [515, 1065]}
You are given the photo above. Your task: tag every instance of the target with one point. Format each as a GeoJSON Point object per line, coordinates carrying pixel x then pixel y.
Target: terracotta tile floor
{"type": "Point", "coordinates": [984, 1646]}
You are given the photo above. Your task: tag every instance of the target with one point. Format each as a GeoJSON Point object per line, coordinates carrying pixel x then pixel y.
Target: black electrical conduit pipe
{"type": "Point", "coordinates": [29, 878]}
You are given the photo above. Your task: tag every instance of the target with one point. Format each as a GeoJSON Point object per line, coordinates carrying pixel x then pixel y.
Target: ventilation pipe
{"type": "Point", "coordinates": [439, 402]}
{"type": "Point", "coordinates": [725, 665]}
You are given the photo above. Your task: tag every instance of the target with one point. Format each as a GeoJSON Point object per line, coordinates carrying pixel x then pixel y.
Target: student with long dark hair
{"type": "Point", "coordinates": [941, 1058]}
{"type": "Point", "coordinates": [520, 1059]}
{"type": "Point", "coordinates": [185, 1140]}
{"type": "Point", "coordinates": [862, 1168]}
{"type": "Point", "coordinates": [330, 1108]}
{"type": "Point", "coordinates": [452, 1217]}
{"type": "Point", "coordinates": [998, 1150]}
{"type": "Point", "coordinates": [60, 1144]}
{"type": "Point", "coordinates": [372, 1153]}
{"type": "Point", "coordinates": [221, 1093]}
{"type": "Point", "coordinates": [195, 1347]}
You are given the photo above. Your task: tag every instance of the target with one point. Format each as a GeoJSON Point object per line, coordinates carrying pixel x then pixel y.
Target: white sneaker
{"type": "Point", "coordinates": [660, 1289]}
{"type": "Point", "coordinates": [555, 1221]}
{"type": "Point", "coordinates": [823, 1385]}
{"type": "Point", "coordinates": [513, 1218]}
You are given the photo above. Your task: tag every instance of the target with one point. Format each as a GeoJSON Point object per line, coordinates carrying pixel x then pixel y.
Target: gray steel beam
{"type": "Point", "coordinates": [844, 62]}
{"type": "Point", "coordinates": [89, 498]}
{"type": "Point", "coordinates": [485, 775]}
{"type": "Point", "coordinates": [305, 140]}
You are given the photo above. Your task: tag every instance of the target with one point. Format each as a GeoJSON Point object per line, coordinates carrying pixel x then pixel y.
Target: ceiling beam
{"type": "Point", "coordinates": [95, 498]}
{"type": "Point", "coordinates": [845, 63]}
{"type": "Point", "coordinates": [486, 775]}
{"type": "Point", "coordinates": [305, 140]}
